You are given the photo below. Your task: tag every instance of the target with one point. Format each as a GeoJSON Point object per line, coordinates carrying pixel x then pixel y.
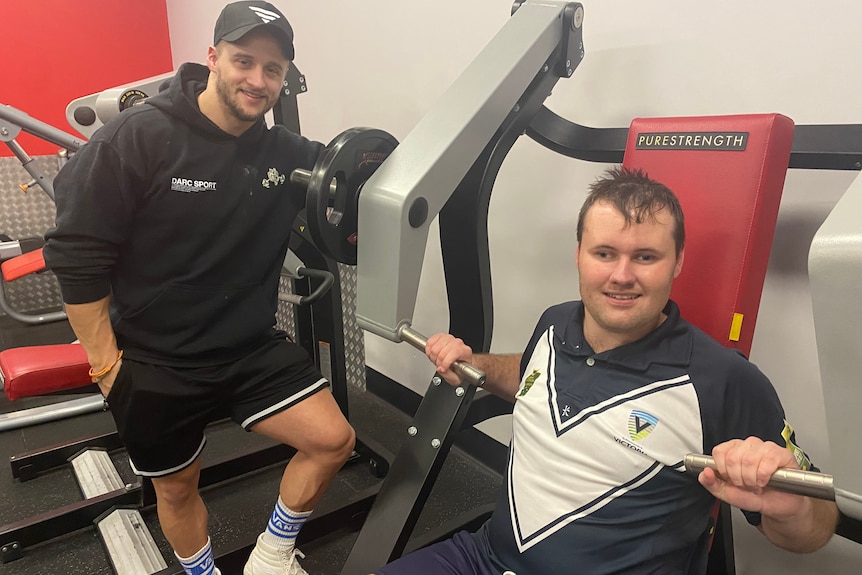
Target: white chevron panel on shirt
{"type": "Point", "coordinates": [554, 480]}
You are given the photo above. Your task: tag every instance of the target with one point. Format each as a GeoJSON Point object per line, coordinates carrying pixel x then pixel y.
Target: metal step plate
{"type": "Point", "coordinates": [130, 546]}
{"type": "Point", "coordinates": [95, 472]}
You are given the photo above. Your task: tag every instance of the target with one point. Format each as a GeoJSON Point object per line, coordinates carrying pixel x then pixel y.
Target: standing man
{"type": "Point", "coordinates": [172, 225]}
{"type": "Point", "coordinates": [610, 395]}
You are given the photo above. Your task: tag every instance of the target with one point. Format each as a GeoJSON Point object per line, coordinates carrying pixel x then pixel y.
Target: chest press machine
{"type": "Point", "coordinates": [447, 166]}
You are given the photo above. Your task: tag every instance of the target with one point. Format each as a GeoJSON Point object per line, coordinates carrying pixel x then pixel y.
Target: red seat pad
{"type": "Point", "coordinates": [42, 369]}
{"type": "Point", "coordinates": [728, 172]}
{"type": "Point", "coordinates": [23, 265]}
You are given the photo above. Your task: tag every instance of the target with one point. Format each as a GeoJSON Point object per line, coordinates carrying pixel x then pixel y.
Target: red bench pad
{"type": "Point", "coordinates": [43, 369]}
{"type": "Point", "coordinates": [23, 265]}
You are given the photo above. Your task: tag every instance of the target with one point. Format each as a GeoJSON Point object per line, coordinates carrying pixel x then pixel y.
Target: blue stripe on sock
{"type": "Point", "coordinates": [284, 523]}
{"type": "Point", "coordinates": [204, 565]}
{"type": "Point", "coordinates": [288, 515]}
{"type": "Point", "coordinates": [285, 533]}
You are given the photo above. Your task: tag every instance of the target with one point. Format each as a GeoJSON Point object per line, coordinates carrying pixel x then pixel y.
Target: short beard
{"type": "Point", "coordinates": [228, 99]}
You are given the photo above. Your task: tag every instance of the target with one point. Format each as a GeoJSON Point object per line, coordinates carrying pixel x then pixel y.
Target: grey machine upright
{"type": "Point", "coordinates": [835, 272]}
{"type": "Point", "coordinates": [447, 165]}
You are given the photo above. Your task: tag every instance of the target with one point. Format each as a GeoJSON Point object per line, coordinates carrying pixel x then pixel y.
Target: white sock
{"type": "Point", "coordinates": [284, 526]}
{"type": "Point", "coordinates": [201, 563]}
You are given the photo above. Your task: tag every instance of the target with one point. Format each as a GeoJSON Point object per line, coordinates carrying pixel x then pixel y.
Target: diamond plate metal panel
{"type": "Point", "coordinates": [285, 319]}
{"type": "Point", "coordinates": [28, 214]}
{"type": "Point", "coordinates": [354, 339]}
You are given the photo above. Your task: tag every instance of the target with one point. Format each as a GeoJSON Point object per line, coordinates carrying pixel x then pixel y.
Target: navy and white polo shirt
{"type": "Point", "coordinates": [596, 482]}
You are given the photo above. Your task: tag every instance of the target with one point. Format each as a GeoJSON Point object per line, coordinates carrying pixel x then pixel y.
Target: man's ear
{"type": "Point", "coordinates": [679, 259]}
{"type": "Point", "coordinates": [212, 58]}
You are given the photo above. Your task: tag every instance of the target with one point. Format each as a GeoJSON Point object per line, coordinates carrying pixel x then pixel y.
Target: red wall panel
{"type": "Point", "coordinates": [53, 51]}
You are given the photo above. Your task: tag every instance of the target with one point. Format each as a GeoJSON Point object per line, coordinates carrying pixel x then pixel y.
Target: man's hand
{"type": "Point", "coordinates": [793, 522]}
{"type": "Point", "coordinates": [91, 323]}
{"type": "Point", "coordinates": [502, 371]}
{"type": "Point", "coordinates": [107, 382]}
{"type": "Point", "coordinates": [744, 469]}
{"type": "Point", "coordinates": [443, 350]}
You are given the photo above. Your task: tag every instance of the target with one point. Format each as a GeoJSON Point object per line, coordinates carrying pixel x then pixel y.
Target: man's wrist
{"type": "Point", "coordinates": [97, 375]}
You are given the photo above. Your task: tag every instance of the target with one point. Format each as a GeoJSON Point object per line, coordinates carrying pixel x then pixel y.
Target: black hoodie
{"type": "Point", "coordinates": [184, 225]}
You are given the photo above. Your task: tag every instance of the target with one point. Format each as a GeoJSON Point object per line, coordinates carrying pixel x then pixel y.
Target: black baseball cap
{"type": "Point", "coordinates": [239, 18]}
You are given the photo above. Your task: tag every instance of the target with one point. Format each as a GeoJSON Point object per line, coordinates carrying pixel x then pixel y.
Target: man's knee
{"type": "Point", "coordinates": [177, 489]}
{"type": "Point", "coordinates": [332, 445]}
{"type": "Point", "coordinates": [342, 441]}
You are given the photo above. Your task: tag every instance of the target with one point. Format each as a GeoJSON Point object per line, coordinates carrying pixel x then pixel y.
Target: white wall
{"type": "Point", "coordinates": [383, 63]}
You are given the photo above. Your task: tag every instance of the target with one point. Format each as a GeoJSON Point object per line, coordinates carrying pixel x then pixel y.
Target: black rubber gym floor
{"type": "Point", "coordinates": [238, 508]}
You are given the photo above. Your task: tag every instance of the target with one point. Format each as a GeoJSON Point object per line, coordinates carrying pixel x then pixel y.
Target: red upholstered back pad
{"type": "Point", "coordinates": [43, 369]}
{"type": "Point", "coordinates": [728, 172]}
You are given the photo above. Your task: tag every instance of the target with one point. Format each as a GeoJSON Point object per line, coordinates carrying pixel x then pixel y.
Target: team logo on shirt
{"type": "Point", "coordinates": [610, 467]}
{"type": "Point", "coordinates": [641, 424]}
{"type": "Point", "coordinates": [528, 383]}
{"type": "Point", "coordinates": [273, 178]}
{"type": "Point", "coordinates": [790, 442]}
{"type": "Point", "coordinates": [190, 186]}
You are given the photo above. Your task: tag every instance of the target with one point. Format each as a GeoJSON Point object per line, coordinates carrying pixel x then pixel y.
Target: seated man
{"type": "Point", "coordinates": [610, 395]}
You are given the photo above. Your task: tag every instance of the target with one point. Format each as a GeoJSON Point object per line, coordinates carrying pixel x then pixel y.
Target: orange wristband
{"type": "Point", "coordinates": [96, 376]}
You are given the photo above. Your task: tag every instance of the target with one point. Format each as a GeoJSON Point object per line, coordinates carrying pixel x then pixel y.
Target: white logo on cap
{"type": "Point", "coordinates": [266, 15]}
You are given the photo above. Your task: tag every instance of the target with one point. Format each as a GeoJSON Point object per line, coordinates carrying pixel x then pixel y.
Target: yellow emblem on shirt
{"type": "Point", "coordinates": [528, 382]}
{"type": "Point", "coordinates": [789, 441]}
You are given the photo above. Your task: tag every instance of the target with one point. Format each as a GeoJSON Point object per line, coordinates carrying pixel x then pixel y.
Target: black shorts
{"type": "Point", "coordinates": [161, 411]}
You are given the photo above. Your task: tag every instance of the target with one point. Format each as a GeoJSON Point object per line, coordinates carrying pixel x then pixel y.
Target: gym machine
{"type": "Point", "coordinates": [447, 165]}
{"type": "Point", "coordinates": [21, 257]}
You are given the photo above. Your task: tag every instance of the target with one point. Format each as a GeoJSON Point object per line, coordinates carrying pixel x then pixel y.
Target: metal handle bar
{"type": "Point", "coordinates": [469, 373]}
{"type": "Point", "coordinates": [316, 294]}
{"type": "Point", "coordinates": [794, 481]}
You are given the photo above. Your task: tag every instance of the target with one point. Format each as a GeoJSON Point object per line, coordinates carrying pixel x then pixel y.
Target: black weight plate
{"type": "Point", "coordinates": [348, 160]}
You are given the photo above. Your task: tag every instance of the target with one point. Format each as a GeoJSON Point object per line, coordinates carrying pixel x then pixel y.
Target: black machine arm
{"type": "Point", "coordinates": [815, 147]}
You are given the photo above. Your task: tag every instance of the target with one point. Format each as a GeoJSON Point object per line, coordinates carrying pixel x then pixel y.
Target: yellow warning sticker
{"type": "Point", "coordinates": [735, 327]}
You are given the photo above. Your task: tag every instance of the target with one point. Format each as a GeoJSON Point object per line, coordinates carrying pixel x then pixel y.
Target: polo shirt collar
{"type": "Point", "coordinates": [669, 344]}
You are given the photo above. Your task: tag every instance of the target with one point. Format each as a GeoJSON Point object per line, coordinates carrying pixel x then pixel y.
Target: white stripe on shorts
{"type": "Point", "coordinates": [295, 398]}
